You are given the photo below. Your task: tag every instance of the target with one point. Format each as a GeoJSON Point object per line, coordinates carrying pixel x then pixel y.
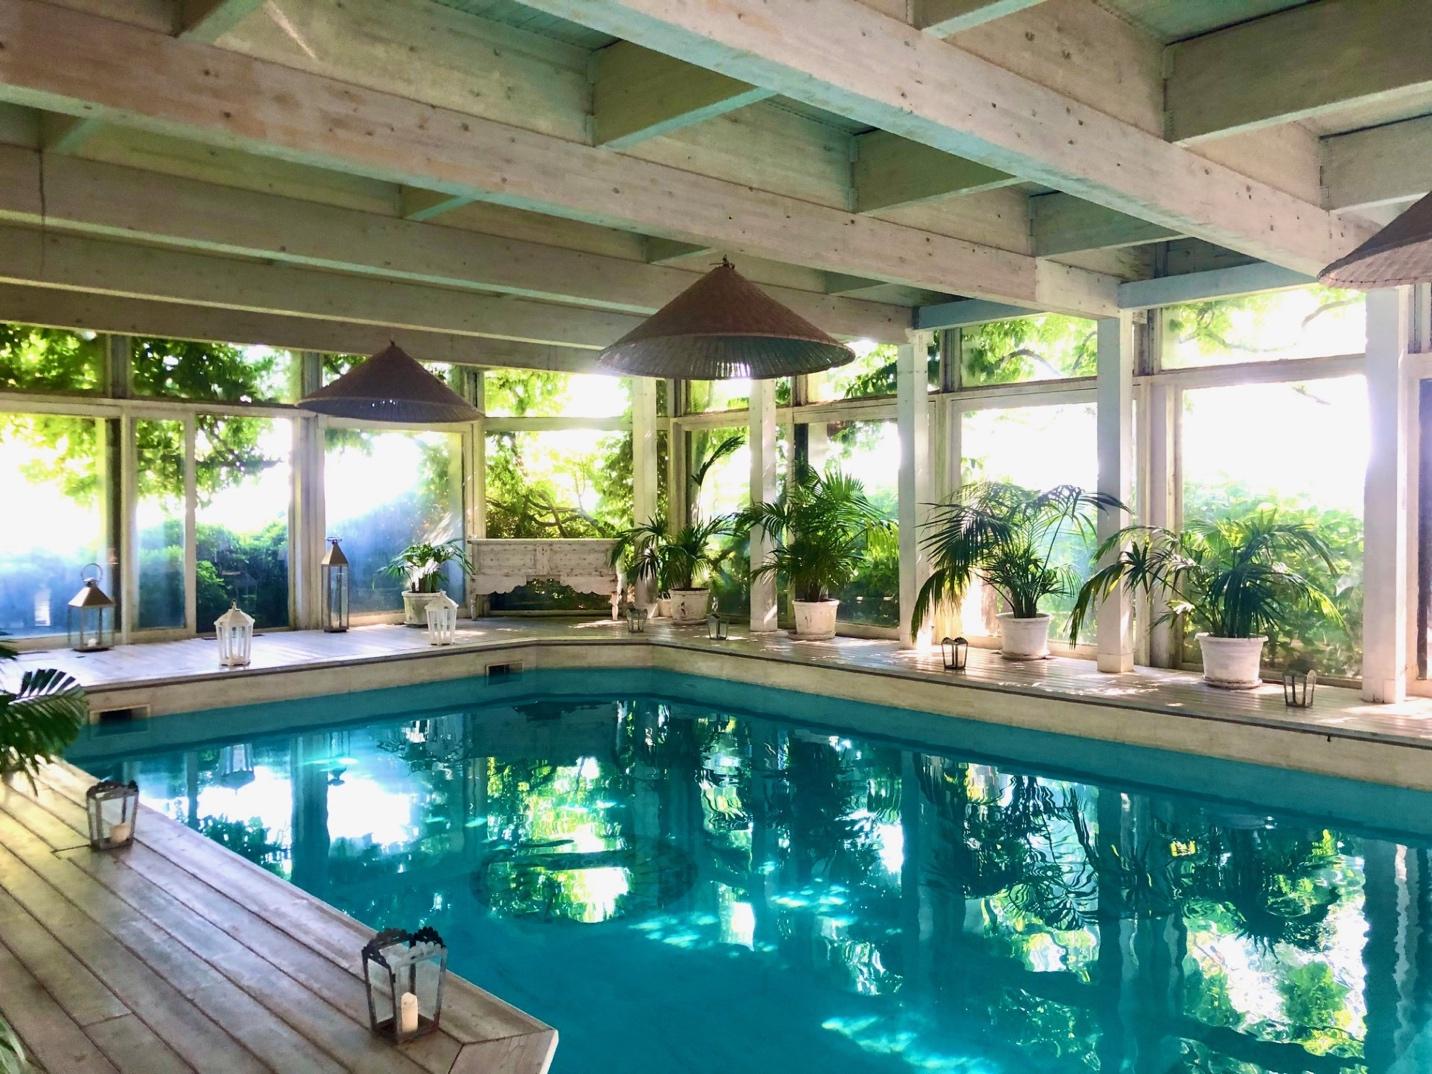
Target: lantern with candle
{"type": "Point", "coordinates": [405, 973]}
{"type": "Point", "coordinates": [235, 631]}
{"type": "Point", "coordinates": [113, 809]}
{"type": "Point", "coordinates": [91, 614]}
{"type": "Point", "coordinates": [334, 568]}
{"type": "Point", "coordinates": [442, 619]}
{"type": "Point", "coordinates": [716, 627]}
{"type": "Point", "coordinates": [956, 653]}
{"type": "Point", "coordinates": [636, 618]}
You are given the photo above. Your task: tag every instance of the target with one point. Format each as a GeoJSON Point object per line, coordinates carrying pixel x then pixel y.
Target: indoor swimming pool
{"type": "Point", "coordinates": [681, 874]}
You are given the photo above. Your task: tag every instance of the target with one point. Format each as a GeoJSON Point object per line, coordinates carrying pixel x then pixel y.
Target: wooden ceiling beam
{"type": "Point", "coordinates": [227, 99]}
{"type": "Point", "coordinates": [941, 18]}
{"type": "Point", "coordinates": [208, 20]}
{"type": "Point", "coordinates": [668, 252]}
{"type": "Point", "coordinates": [55, 308]}
{"type": "Point", "coordinates": [1307, 61]}
{"type": "Point", "coordinates": [890, 171]}
{"type": "Point", "coordinates": [639, 94]}
{"type": "Point", "coordinates": [128, 270]}
{"type": "Point", "coordinates": [842, 56]}
{"type": "Point", "coordinates": [1064, 225]}
{"type": "Point", "coordinates": [1378, 166]}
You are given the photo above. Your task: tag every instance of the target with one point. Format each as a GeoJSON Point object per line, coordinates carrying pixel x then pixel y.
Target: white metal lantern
{"type": "Point", "coordinates": [235, 630]}
{"type": "Point", "coordinates": [442, 619]}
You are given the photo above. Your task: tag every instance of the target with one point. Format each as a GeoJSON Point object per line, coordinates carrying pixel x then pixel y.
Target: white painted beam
{"type": "Point", "coordinates": [227, 99]}
{"type": "Point", "coordinates": [761, 439]}
{"type": "Point", "coordinates": [942, 18]}
{"type": "Point", "coordinates": [842, 56]}
{"type": "Point", "coordinates": [639, 94]}
{"type": "Point", "coordinates": [1114, 394]}
{"type": "Point", "coordinates": [1385, 559]}
{"type": "Point", "coordinates": [1378, 166]}
{"type": "Point", "coordinates": [912, 407]}
{"type": "Point", "coordinates": [890, 171]}
{"type": "Point", "coordinates": [106, 199]}
{"type": "Point", "coordinates": [1214, 283]}
{"type": "Point", "coordinates": [1307, 61]}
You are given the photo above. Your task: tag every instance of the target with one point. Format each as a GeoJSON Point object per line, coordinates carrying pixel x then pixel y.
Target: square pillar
{"type": "Point", "coordinates": [1114, 393]}
{"type": "Point", "coordinates": [762, 442]}
{"type": "Point", "coordinates": [912, 410]}
{"type": "Point", "coordinates": [643, 461]}
{"type": "Point", "coordinates": [1384, 572]}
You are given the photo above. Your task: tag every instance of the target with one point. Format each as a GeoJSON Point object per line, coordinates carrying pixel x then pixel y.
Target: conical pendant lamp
{"type": "Point", "coordinates": [391, 386]}
{"type": "Point", "coordinates": [1401, 253]}
{"type": "Point", "coordinates": [724, 326]}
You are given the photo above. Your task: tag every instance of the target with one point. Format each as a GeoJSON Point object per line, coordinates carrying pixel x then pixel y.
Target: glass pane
{"type": "Point", "coordinates": [517, 393]}
{"type": "Point", "coordinates": [384, 491]}
{"type": "Point", "coordinates": [53, 483]}
{"type": "Point", "coordinates": [49, 359]}
{"type": "Point", "coordinates": [1301, 448]}
{"type": "Point", "coordinates": [1308, 322]}
{"type": "Point", "coordinates": [711, 395]}
{"type": "Point", "coordinates": [244, 482]}
{"type": "Point", "coordinates": [159, 522]}
{"type": "Point", "coordinates": [1050, 346]}
{"type": "Point", "coordinates": [870, 452]}
{"type": "Point", "coordinates": [223, 372]}
{"type": "Point", "coordinates": [1037, 447]}
{"type": "Point", "coordinates": [871, 374]}
{"type": "Point", "coordinates": [558, 483]}
{"type": "Point", "coordinates": [720, 471]}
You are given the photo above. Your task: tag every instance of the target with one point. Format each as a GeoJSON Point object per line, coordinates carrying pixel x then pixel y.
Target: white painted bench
{"type": "Point", "coordinates": [583, 563]}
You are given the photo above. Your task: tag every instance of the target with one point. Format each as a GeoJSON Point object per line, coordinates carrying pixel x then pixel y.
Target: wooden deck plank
{"type": "Point", "coordinates": [58, 1043]}
{"type": "Point", "coordinates": [272, 1041]}
{"type": "Point", "coordinates": [84, 997]}
{"type": "Point", "coordinates": [162, 1006]}
{"type": "Point", "coordinates": [134, 1048]}
{"type": "Point", "coordinates": [55, 832]}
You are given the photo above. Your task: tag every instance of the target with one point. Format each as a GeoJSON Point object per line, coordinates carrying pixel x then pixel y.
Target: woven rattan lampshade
{"type": "Point", "coordinates": [720, 327]}
{"type": "Point", "coordinates": [1401, 253]}
{"type": "Point", "coordinates": [391, 386]}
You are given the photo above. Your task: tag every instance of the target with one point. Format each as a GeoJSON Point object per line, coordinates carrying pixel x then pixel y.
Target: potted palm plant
{"type": "Point", "coordinates": [1007, 536]}
{"type": "Point", "coordinates": [821, 529]}
{"type": "Point", "coordinates": [419, 566]}
{"type": "Point", "coordinates": [674, 564]}
{"type": "Point", "coordinates": [1235, 579]}
{"type": "Point", "coordinates": [37, 721]}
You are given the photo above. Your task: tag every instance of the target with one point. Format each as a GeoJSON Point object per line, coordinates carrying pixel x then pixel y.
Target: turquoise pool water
{"type": "Point", "coordinates": [684, 875]}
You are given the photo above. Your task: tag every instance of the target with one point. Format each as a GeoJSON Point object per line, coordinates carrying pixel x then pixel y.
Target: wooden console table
{"type": "Point", "coordinates": [583, 563]}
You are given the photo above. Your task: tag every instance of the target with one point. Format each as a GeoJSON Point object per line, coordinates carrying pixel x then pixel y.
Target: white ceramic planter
{"type": "Point", "coordinates": [662, 608]}
{"type": "Point", "coordinates": [415, 607]}
{"type": "Point", "coordinates": [1024, 639]}
{"type": "Point", "coordinates": [690, 605]}
{"type": "Point", "coordinates": [1231, 663]}
{"type": "Point", "coordinates": [815, 619]}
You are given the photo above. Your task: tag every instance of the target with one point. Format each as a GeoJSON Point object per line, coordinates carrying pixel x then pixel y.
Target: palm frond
{"type": "Point", "coordinates": [39, 720]}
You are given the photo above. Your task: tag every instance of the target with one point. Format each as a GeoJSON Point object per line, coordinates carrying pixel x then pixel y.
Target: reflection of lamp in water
{"type": "Point", "coordinates": [236, 766]}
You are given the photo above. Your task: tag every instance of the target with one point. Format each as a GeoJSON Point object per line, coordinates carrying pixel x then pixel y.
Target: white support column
{"type": "Point", "coordinates": [762, 441]}
{"type": "Point", "coordinates": [643, 462]}
{"type": "Point", "coordinates": [306, 543]}
{"type": "Point", "coordinates": [1115, 422]}
{"type": "Point", "coordinates": [912, 410]}
{"type": "Point", "coordinates": [191, 522]}
{"type": "Point", "coordinates": [1384, 631]}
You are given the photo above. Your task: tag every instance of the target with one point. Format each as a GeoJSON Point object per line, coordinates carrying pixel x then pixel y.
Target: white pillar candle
{"type": "Point", "coordinates": [121, 832]}
{"type": "Point", "coordinates": [407, 1014]}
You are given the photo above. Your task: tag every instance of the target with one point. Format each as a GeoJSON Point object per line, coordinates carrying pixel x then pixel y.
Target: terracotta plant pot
{"type": "Point", "coordinates": [1024, 639]}
{"type": "Point", "coordinates": [815, 619]}
{"type": "Point", "coordinates": [1232, 663]}
{"type": "Point", "coordinates": [690, 605]}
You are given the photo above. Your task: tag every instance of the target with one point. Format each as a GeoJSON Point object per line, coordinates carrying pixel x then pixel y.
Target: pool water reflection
{"type": "Point", "coordinates": [677, 887]}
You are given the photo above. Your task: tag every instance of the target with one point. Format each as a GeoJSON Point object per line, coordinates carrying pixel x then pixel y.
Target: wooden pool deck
{"type": "Point", "coordinates": [176, 955]}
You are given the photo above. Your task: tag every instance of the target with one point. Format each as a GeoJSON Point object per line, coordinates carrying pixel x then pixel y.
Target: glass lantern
{"type": "Point", "coordinates": [1298, 687]}
{"type": "Point", "coordinates": [442, 619]}
{"type": "Point", "coordinates": [716, 627]}
{"type": "Point", "coordinates": [235, 631]}
{"type": "Point", "coordinates": [636, 619]}
{"type": "Point", "coordinates": [113, 810]}
{"type": "Point", "coordinates": [334, 568]}
{"type": "Point", "coordinates": [956, 653]}
{"type": "Point", "coordinates": [404, 972]}
{"type": "Point", "coordinates": [91, 615]}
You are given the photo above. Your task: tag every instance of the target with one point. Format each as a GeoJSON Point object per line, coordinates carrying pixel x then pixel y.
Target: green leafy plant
{"type": "Point", "coordinates": [681, 560]}
{"type": "Point", "coordinates": [1232, 577]}
{"type": "Point", "coordinates": [1007, 536]}
{"type": "Point", "coordinates": [637, 551]}
{"type": "Point", "coordinates": [419, 564]}
{"type": "Point", "coordinates": [12, 1055]}
{"type": "Point", "coordinates": [38, 720]}
{"type": "Point", "coordinates": [821, 528]}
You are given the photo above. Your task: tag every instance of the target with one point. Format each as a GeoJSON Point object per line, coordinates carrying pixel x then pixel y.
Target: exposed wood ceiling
{"type": "Point", "coordinates": [1175, 20]}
